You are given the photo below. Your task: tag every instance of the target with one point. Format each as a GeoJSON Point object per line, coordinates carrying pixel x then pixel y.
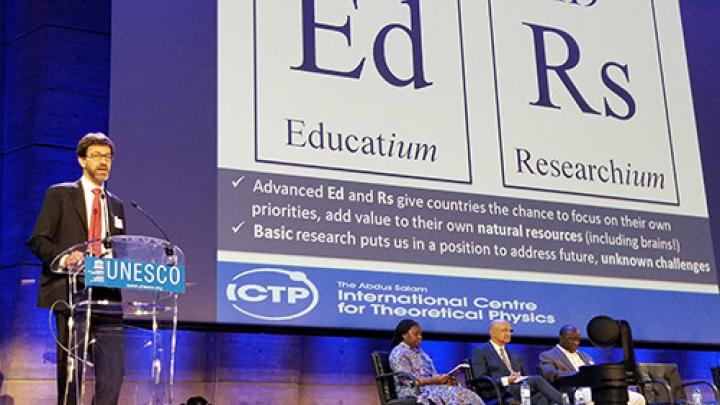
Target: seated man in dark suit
{"type": "Point", "coordinates": [565, 359]}
{"type": "Point", "coordinates": [493, 360]}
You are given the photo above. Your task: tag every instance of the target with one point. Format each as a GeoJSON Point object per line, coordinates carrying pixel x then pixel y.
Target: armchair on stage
{"type": "Point", "coordinates": [384, 378]}
{"type": "Point", "coordinates": [661, 383]}
{"type": "Point", "coordinates": [134, 262]}
{"type": "Point", "coordinates": [490, 390]}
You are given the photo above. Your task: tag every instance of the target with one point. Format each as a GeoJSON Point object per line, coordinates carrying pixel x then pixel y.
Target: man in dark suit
{"type": "Point", "coordinates": [555, 363]}
{"type": "Point", "coordinates": [565, 359]}
{"type": "Point", "coordinates": [73, 213]}
{"type": "Point", "coordinates": [507, 368]}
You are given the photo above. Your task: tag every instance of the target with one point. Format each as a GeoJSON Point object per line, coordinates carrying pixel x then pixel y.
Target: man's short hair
{"type": "Point", "coordinates": [94, 138]}
{"type": "Point", "coordinates": [495, 323]}
{"type": "Point", "coordinates": [567, 328]}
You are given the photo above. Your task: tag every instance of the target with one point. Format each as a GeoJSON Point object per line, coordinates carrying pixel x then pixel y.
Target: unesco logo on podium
{"type": "Point", "coordinates": [136, 275]}
{"type": "Point", "coordinates": [97, 274]}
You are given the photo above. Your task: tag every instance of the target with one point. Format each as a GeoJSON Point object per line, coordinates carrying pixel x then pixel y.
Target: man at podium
{"type": "Point", "coordinates": [72, 213]}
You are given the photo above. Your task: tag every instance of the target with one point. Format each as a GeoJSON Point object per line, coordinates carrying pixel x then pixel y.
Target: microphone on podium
{"type": "Point", "coordinates": [170, 248]}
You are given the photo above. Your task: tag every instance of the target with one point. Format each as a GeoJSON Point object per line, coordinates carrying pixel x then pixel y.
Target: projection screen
{"type": "Point", "coordinates": [346, 164]}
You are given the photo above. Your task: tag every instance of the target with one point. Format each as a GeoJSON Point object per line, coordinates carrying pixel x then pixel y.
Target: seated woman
{"type": "Point", "coordinates": [407, 357]}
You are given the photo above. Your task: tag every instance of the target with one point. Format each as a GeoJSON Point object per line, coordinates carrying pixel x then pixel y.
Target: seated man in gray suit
{"type": "Point", "coordinates": [565, 359]}
{"type": "Point", "coordinates": [506, 367]}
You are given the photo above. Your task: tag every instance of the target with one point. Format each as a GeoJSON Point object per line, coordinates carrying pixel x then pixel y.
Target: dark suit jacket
{"type": "Point", "coordinates": [486, 362]}
{"type": "Point", "coordinates": [553, 364]}
{"type": "Point", "coordinates": [62, 223]}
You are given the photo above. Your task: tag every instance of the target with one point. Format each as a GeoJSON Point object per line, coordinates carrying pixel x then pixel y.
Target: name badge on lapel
{"type": "Point", "coordinates": [118, 223]}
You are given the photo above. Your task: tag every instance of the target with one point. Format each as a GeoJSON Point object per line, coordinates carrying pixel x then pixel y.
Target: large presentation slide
{"type": "Point", "coordinates": [455, 162]}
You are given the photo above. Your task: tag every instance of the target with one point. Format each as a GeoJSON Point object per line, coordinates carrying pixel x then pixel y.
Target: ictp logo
{"type": "Point", "coordinates": [272, 294]}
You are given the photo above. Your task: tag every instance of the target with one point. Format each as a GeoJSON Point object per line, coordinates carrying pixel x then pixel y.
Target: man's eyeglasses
{"type": "Point", "coordinates": [98, 157]}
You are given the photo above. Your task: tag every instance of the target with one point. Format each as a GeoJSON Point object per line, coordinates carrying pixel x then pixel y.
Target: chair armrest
{"type": "Point", "coordinates": [656, 381]}
{"type": "Point", "coordinates": [399, 374]}
{"type": "Point", "coordinates": [486, 383]}
{"type": "Point", "coordinates": [701, 382]}
{"type": "Point", "coordinates": [413, 380]}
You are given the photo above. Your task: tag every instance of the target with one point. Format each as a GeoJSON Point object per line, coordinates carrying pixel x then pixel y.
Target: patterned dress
{"type": "Point", "coordinates": [416, 362]}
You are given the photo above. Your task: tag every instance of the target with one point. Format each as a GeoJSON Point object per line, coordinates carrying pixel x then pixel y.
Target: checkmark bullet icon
{"type": "Point", "coordinates": [236, 228]}
{"type": "Point", "coordinates": [237, 182]}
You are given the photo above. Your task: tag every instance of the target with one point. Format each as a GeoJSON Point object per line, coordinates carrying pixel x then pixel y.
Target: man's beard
{"type": "Point", "coordinates": [99, 176]}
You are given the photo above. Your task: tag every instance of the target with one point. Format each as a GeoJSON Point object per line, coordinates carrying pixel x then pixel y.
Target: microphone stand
{"type": "Point", "coordinates": [107, 245]}
{"type": "Point", "coordinates": [107, 241]}
{"type": "Point", "coordinates": [169, 248]}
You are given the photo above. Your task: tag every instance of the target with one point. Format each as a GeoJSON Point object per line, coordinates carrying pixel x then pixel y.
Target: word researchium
{"type": "Point", "coordinates": [319, 138]}
{"type": "Point", "coordinates": [605, 172]}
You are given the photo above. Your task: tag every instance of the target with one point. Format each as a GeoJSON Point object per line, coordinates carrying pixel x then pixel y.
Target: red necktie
{"type": "Point", "coordinates": [95, 230]}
